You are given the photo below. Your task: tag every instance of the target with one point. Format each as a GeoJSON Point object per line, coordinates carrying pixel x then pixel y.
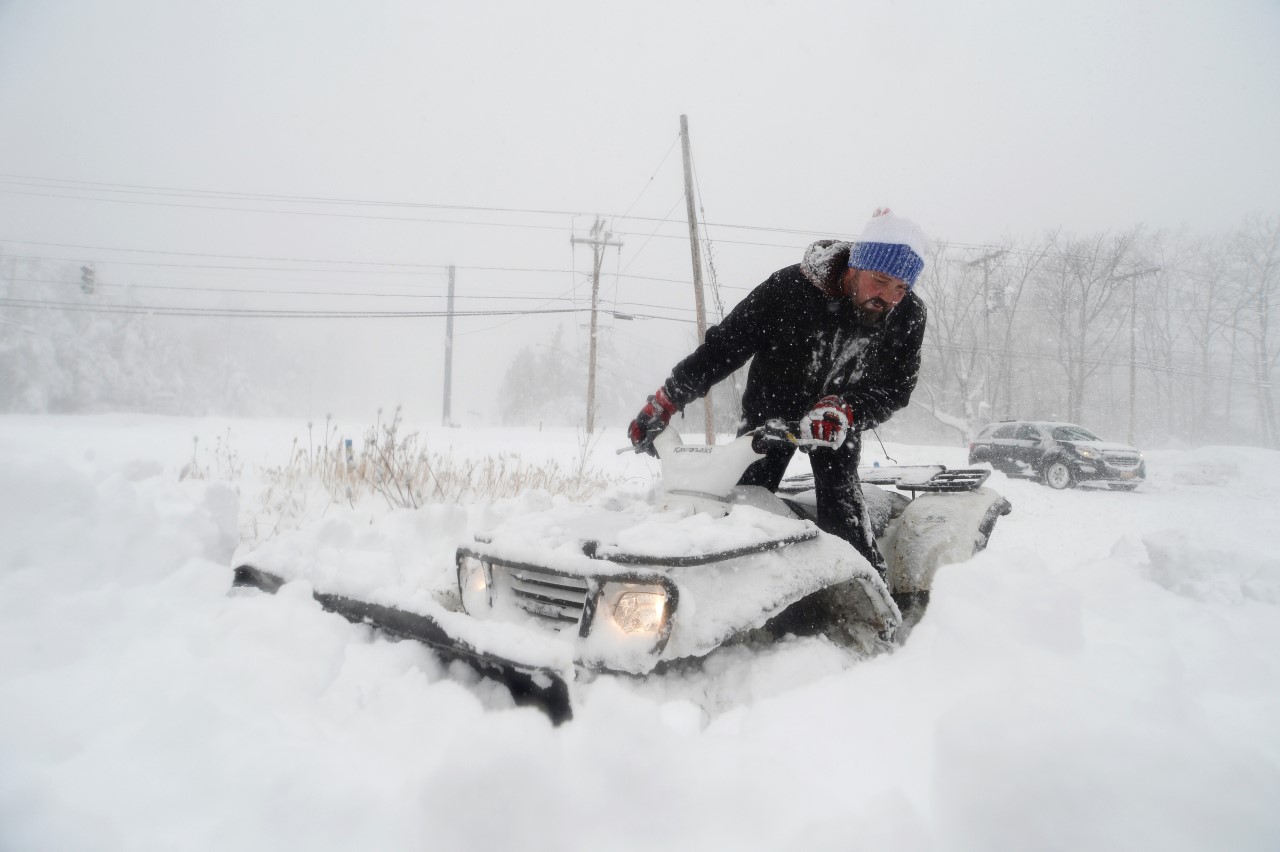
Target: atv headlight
{"type": "Point", "coordinates": [640, 612]}
{"type": "Point", "coordinates": [475, 582]}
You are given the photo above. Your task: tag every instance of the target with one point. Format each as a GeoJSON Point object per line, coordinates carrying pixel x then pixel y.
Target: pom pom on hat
{"type": "Point", "coordinates": [892, 245]}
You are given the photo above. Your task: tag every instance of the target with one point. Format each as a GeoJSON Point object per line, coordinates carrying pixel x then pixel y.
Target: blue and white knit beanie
{"type": "Point", "coordinates": [892, 245]}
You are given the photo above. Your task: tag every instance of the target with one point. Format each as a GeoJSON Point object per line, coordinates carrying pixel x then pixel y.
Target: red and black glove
{"type": "Point", "coordinates": [829, 422]}
{"type": "Point", "coordinates": [650, 422]}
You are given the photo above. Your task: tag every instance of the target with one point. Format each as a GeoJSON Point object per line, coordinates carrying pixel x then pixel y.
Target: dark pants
{"type": "Point", "coordinates": [841, 509]}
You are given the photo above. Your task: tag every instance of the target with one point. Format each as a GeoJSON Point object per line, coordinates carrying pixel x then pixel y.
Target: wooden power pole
{"type": "Point", "coordinates": [699, 306]}
{"type": "Point", "coordinates": [448, 355]}
{"type": "Point", "coordinates": [599, 241]}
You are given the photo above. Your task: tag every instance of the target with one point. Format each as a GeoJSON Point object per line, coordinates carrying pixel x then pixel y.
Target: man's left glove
{"type": "Point", "coordinates": [650, 422]}
{"type": "Point", "coordinates": [829, 422]}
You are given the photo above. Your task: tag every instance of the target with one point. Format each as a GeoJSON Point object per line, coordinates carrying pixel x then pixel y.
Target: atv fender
{"type": "Point", "coordinates": [936, 530]}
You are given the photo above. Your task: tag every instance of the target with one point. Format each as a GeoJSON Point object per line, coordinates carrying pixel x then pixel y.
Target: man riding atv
{"type": "Point", "coordinates": [836, 345]}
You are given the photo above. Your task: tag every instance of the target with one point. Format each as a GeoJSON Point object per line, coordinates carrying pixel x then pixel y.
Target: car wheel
{"type": "Point", "coordinates": [1057, 475]}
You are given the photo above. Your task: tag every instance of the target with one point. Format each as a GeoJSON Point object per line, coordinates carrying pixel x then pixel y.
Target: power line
{"type": "Point", "coordinates": [255, 313]}
{"type": "Point", "coordinates": [649, 182]}
{"type": "Point", "coordinates": [163, 191]}
{"type": "Point", "coordinates": [265, 292]}
{"type": "Point", "coordinates": [664, 221]}
{"type": "Point", "coordinates": [64, 184]}
{"type": "Point", "coordinates": [214, 194]}
{"type": "Point", "coordinates": [227, 256]}
{"type": "Point", "coordinates": [237, 267]}
{"type": "Point", "coordinates": [810, 234]}
{"type": "Point", "coordinates": [316, 213]}
{"type": "Point", "coordinates": [412, 219]}
{"type": "Point", "coordinates": [264, 313]}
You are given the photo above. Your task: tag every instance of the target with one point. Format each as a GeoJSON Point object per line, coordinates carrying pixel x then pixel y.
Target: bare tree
{"type": "Point", "coordinates": [1015, 273]}
{"type": "Point", "coordinates": [957, 376]}
{"type": "Point", "coordinates": [1079, 295]}
{"type": "Point", "coordinates": [1257, 254]}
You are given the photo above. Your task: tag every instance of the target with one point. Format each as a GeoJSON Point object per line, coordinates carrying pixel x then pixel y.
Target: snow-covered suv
{"type": "Point", "coordinates": [1058, 454]}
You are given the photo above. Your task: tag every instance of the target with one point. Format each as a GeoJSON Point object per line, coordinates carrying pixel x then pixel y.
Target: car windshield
{"type": "Point", "coordinates": [1073, 433]}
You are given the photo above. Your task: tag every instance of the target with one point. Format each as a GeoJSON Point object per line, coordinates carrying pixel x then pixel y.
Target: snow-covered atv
{"type": "Point", "coordinates": [632, 587]}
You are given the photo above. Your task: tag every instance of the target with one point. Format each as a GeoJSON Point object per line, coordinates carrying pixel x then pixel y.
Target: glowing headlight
{"type": "Point", "coordinates": [639, 612]}
{"type": "Point", "coordinates": [1087, 453]}
{"type": "Point", "coordinates": [473, 583]}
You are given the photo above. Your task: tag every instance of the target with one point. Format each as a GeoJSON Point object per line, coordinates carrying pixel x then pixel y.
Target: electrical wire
{"type": "Point", "coordinates": [101, 186]}
{"type": "Point", "coordinates": [266, 292]}
{"type": "Point", "coordinates": [157, 310]}
{"type": "Point", "coordinates": [432, 266]}
{"type": "Point", "coordinates": [264, 313]}
{"type": "Point", "coordinates": [649, 182]}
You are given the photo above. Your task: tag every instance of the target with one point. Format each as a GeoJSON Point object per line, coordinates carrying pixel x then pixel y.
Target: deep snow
{"type": "Point", "coordinates": [1104, 676]}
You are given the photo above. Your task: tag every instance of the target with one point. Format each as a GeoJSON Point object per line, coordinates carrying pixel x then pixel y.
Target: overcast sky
{"type": "Point", "coordinates": [978, 119]}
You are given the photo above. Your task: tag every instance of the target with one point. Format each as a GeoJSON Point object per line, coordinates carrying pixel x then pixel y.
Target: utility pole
{"type": "Point", "coordinates": [1133, 357]}
{"type": "Point", "coordinates": [448, 355]}
{"type": "Point", "coordinates": [1133, 340]}
{"type": "Point", "coordinates": [692, 212]}
{"type": "Point", "coordinates": [985, 262]}
{"type": "Point", "coordinates": [599, 241]}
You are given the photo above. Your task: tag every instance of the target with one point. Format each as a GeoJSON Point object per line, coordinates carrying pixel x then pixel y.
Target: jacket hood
{"type": "Point", "coordinates": [824, 263]}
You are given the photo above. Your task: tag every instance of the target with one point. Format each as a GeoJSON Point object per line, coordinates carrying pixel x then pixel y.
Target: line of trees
{"type": "Point", "coordinates": [68, 347]}
{"type": "Point", "coordinates": [1155, 336]}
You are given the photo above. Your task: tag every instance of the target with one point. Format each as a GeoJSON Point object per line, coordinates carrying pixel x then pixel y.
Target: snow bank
{"type": "Point", "coordinates": [1102, 677]}
{"type": "Point", "coordinates": [1224, 572]}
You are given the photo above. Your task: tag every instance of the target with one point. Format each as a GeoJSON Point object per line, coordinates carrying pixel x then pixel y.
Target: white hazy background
{"type": "Point", "coordinates": [134, 134]}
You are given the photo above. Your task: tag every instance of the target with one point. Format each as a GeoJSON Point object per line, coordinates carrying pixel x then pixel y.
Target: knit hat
{"type": "Point", "coordinates": [892, 245]}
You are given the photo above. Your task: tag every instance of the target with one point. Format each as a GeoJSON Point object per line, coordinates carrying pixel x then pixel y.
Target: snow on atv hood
{"type": "Point", "coordinates": [556, 536]}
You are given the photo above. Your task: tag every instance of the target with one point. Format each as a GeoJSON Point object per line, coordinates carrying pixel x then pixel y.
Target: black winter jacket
{"type": "Point", "coordinates": [807, 345]}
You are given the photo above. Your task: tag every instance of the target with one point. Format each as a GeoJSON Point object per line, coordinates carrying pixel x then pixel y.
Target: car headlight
{"type": "Point", "coordinates": [475, 582]}
{"type": "Point", "coordinates": [640, 612]}
{"type": "Point", "coordinates": [1086, 453]}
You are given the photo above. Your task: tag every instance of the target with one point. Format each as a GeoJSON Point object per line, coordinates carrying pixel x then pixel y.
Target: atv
{"type": "Point", "coordinates": [632, 587]}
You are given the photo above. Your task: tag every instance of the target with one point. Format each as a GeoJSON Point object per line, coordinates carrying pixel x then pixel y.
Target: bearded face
{"type": "Point", "coordinates": [873, 293]}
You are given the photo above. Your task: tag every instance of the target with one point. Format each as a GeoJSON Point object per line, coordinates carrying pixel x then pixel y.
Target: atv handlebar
{"type": "Point", "coordinates": [772, 432]}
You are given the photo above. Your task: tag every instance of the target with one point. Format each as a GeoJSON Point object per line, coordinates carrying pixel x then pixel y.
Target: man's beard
{"type": "Point", "coordinates": [871, 317]}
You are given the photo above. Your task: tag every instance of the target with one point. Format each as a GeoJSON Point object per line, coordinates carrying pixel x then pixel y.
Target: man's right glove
{"type": "Point", "coordinates": [650, 422]}
{"type": "Point", "coordinates": [828, 422]}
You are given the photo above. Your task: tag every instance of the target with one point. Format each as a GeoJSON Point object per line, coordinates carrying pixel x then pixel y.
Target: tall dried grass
{"type": "Point", "coordinates": [398, 470]}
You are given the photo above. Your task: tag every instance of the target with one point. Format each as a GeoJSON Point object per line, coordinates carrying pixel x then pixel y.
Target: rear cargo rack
{"type": "Point", "coordinates": [968, 479]}
{"type": "Point", "coordinates": [933, 478]}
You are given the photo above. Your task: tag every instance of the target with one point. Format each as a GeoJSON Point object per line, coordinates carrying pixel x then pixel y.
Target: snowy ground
{"type": "Point", "coordinates": [1104, 676]}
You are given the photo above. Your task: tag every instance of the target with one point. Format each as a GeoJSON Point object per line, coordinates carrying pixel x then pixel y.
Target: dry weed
{"type": "Point", "coordinates": [399, 469]}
